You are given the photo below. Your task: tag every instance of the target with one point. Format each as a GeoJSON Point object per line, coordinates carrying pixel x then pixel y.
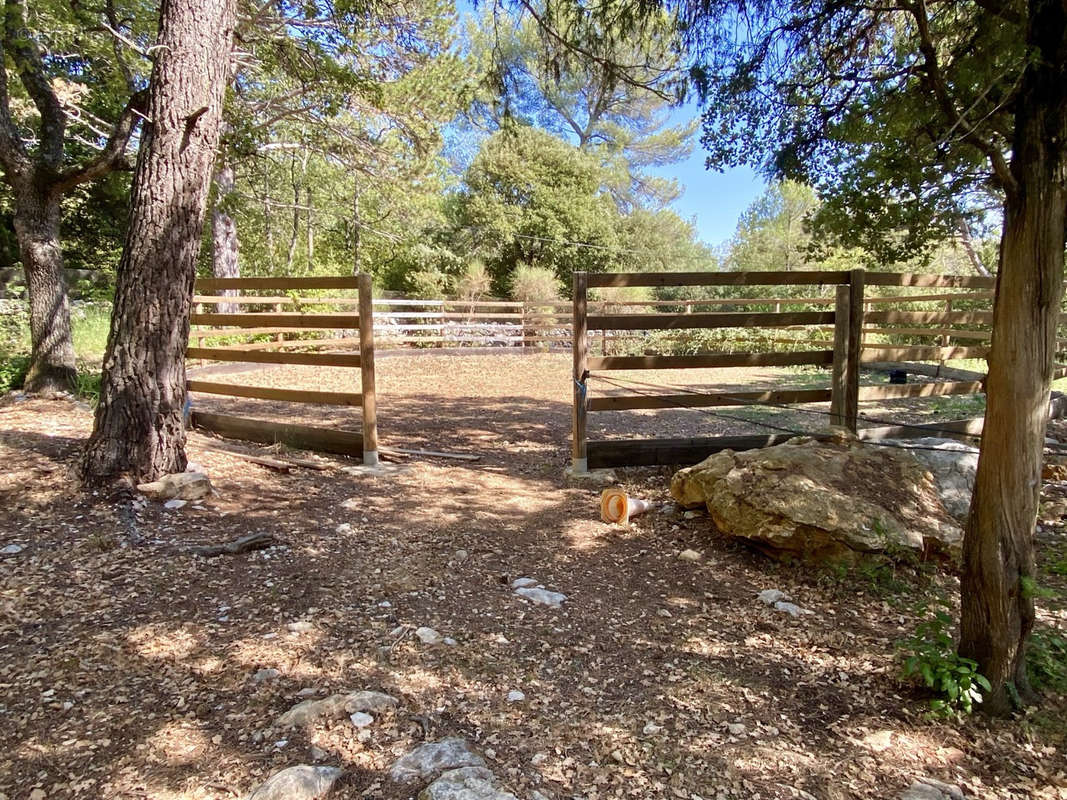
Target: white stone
{"type": "Point", "coordinates": [428, 635]}
{"type": "Point", "coordinates": [736, 728]}
{"type": "Point", "coordinates": [689, 555]}
{"type": "Point", "coordinates": [523, 583]}
{"type": "Point", "coordinates": [449, 641]}
{"type": "Point", "coordinates": [343, 529]}
{"type": "Point", "coordinates": [429, 760]}
{"type": "Point", "coordinates": [179, 485]}
{"type": "Point", "coordinates": [651, 728]}
{"type": "Point", "coordinates": [466, 783]}
{"type": "Point", "coordinates": [11, 550]}
{"type": "Point", "coordinates": [771, 596]}
{"type": "Point", "coordinates": [268, 674]}
{"type": "Point", "coordinates": [301, 626]}
{"type": "Point", "coordinates": [298, 783]}
{"type": "Point", "coordinates": [335, 706]}
{"type": "Point", "coordinates": [542, 596]}
{"type": "Point", "coordinates": [515, 696]}
{"type": "Point", "coordinates": [791, 609]}
{"type": "Point", "coordinates": [174, 505]}
{"type": "Point", "coordinates": [931, 789]}
{"type": "Point", "coordinates": [361, 719]}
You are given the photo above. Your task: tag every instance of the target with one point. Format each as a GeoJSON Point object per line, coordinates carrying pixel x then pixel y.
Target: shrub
{"type": "Point", "coordinates": [13, 369]}
{"type": "Point", "coordinates": [534, 285]}
{"type": "Point", "coordinates": [933, 660]}
{"type": "Point", "coordinates": [473, 283]}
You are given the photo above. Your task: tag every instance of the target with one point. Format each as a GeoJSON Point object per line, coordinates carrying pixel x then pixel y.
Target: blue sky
{"type": "Point", "coordinates": [714, 200]}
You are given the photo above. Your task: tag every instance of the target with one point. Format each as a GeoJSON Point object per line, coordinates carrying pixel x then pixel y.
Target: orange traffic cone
{"type": "Point", "coordinates": [615, 506]}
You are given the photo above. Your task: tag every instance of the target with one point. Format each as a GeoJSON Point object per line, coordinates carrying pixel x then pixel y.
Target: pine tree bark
{"type": "Point", "coordinates": [996, 589]}
{"type": "Point", "coordinates": [225, 244]}
{"type": "Point", "coordinates": [37, 230]}
{"type": "Point", "coordinates": [139, 429]}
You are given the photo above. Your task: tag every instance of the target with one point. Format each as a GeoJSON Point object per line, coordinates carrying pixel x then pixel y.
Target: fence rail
{"type": "Point", "coordinates": [241, 324]}
{"type": "Point", "coordinates": [868, 327]}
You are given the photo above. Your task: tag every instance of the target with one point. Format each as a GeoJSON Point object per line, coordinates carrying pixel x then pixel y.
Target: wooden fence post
{"type": "Point", "coordinates": [856, 285]}
{"type": "Point", "coordinates": [579, 346]}
{"type": "Point", "coordinates": [839, 375]}
{"type": "Point", "coordinates": [366, 363]}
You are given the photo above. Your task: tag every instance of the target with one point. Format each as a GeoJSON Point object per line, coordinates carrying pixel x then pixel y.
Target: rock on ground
{"type": "Point", "coordinates": [298, 783]}
{"type": "Point", "coordinates": [336, 706]}
{"type": "Point", "coordinates": [930, 789]}
{"type": "Point", "coordinates": [541, 596]}
{"type": "Point", "coordinates": [822, 501]}
{"type": "Point", "coordinates": [178, 486]}
{"type": "Point", "coordinates": [429, 760]}
{"type": "Point", "coordinates": [954, 465]}
{"type": "Point", "coordinates": [466, 783]}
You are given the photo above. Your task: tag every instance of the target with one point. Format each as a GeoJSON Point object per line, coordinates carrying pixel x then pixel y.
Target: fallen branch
{"type": "Point", "coordinates": [400, 451]}
{"type": "Point", "coordinates": [254, 541]}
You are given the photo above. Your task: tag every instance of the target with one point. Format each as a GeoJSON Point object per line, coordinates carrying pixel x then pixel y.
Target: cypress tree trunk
{"type": "Point", "coordinates": [225, 243]}
{"type": "Point", "coordinates": [139, 429]}
{"type": "Point", "coordinates": [997, 606]}
{"type": "Point", "coordinates": [37, 218]}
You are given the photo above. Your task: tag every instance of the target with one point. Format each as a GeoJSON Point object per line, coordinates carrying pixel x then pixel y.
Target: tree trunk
{"type": "Point", "coordinates": [37, 218]}
{"type": "Point", "coordinates": [996, 589]}
{"type": "Point", "coordinates": [139, 428]}
{"type": "Point", "coordinates": [225, 244]}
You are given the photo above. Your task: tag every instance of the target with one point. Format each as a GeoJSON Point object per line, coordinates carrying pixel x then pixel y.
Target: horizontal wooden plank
{"type": "Point", "coordinates": [301, 437]}
{"type": "Point", "coordinates": [283, 284]}
{"type": "Point", "coordinates": [917, 279]}
{"type": "Point", "coordinates": [930, 317]}
{"type": "Point", "coordinates": [608, 453]}
{"type": "Point", "coordinates": [719, 319]}
{"type": "Point", "coordinates": [259, 357]}
{"type": "Point", "coordinates": [218, 333]}
{"type": "Point", "coordinates": [931, 389]}
{"type": "Point", "coordinates": [889, 353]}
{"type": "Point", "coordinates": [782, 278]}
{"type": "Point", "coordinates": [712, 360]}
{"type": "Point", "coordinates": [240, 299]}
{"type": "Point", "coordinates": [291, 319]}
{"type": "Point", "coordinates": [271, 393]}
{"type": "Point", "coordinates": [721, 399]}
{"type": "Point", "coordinates": [924, 298]}
{"type": "Point", "coordinates": [982, 335]}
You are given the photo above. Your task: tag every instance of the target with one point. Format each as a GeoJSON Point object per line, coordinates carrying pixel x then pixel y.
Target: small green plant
{"type": "Point", "coordinates": [88, 387]}
{"type": "Point", "coordinates": [1046, 660]}
{"type": "Point", "coordinates": [934, 661]}
{"type": "Point", "coordinates": [13, 369]}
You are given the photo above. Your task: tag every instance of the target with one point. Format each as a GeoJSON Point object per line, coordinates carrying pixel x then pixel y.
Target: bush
{"type": "Point", "coordinates": [13, 369]}
{"type": "Point", "coordinates": [474, 283]}
{"type": "Point", "coordinates": [534, 285]}
{"type": "Point", "coordinates": [1046, 660]}
{"type": "Point", "coordinates": [933, 660]}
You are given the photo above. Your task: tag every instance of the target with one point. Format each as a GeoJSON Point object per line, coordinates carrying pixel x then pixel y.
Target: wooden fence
{"type": "Point", "coordinates": [241, 324]}
{"type": "Point", "coordinates": [866, 329]}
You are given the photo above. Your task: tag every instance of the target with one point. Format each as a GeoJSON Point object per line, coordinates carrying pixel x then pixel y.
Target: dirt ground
{"type": "Point", "coordinates": [127, 664]}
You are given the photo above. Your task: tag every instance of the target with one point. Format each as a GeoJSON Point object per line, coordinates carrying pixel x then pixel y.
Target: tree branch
{"type": "Point", "coordinates": [35, 79]}
{"type": "Point", "coordinates": [114, 152]}
{"type": "Point", "coordinates": [935, 80]}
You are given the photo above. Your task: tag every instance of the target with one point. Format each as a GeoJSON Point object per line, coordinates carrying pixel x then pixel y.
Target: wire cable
{"type": "Point", "coordinates": [814, 411]}
{"type": "Point", "coordinates": [779, 428]}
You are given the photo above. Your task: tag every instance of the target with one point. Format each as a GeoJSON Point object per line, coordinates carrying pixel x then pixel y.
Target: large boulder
{"type": "Point", "coordinates": [822, 501]}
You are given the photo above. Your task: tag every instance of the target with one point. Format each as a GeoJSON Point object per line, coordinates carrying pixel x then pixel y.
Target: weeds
{"type": "Point", "coordinates": [933, 660]}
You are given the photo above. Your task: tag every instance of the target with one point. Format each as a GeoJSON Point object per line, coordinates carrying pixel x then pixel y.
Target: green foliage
{"type": "Point", "coordinates": [612, 101]}
{"type": "Point", "coordinates": [840, 96]}
{"type": "Point", "coordinates": [473, 283]}
{"type": "Point", "coordinates": [13, 369]}
{"type": "Point", "coordinates": [534, 285]}
{"type": "Point", "coordinates": [931, 658]}
{"type": "Point", "coordinates": [531, 198]}
{"type": "Point", "coordinates": [1046, 659]}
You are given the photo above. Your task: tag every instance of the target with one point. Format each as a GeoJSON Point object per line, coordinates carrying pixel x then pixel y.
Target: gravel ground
{"type": "Point", "coordinates": [127, 665]}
